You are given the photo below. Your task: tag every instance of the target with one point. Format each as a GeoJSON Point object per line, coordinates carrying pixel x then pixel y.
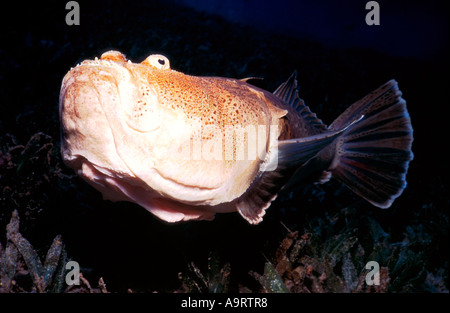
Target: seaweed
{"type": "Point", "coordinates": [41, 275]}
{"type": "Point", "coordinates": [336, 263]}
{"type": "Point", "coordinates": [216, 280]}
{"type": "Point", "coordinates": [20, 262]}
{"type": "Point", "coordinates": [333, 235]}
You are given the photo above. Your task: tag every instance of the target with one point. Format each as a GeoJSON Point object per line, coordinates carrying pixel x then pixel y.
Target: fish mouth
{"type": "Point", "coordinates": [88, 92]}
{"type": "Point", "coordinates": [119, 88]}
{"type": "Point", "coordinates": [103, 63]}
{"type": "Point", "coordinates": [94, 70]}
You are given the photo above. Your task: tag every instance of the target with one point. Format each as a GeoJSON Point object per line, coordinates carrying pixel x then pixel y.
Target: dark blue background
{"type": "Point", "coordinates": [407, 28]}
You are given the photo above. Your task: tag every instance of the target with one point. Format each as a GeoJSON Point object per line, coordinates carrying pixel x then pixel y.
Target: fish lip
{"type": "Point", "coordinates": [104, 65]}
{"type": "Point", "coordinates": [142, 131]}
{"type": "Point", "coordinates": [99, 62]}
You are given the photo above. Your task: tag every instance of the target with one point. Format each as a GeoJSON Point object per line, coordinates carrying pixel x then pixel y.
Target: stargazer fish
{"type": "Point", "coordinates": [187, 147]}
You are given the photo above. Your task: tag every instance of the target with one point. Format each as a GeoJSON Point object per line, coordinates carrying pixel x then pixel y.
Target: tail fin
{"type": "Point", "coordinates": [373, 155]}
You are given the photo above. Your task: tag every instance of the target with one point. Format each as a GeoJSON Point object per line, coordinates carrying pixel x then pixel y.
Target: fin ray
{"type": "Point", "coordinates": [288, 92]}
{"type": "Point", "coordinates": [373, 155]}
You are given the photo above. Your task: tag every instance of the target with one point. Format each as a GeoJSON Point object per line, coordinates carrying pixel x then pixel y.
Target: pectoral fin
{"type": "Point", "coordinates": [290, 155]}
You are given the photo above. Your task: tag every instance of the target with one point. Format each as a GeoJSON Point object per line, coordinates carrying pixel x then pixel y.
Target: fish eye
{"type": "Point", "coordinates": [157, 60]}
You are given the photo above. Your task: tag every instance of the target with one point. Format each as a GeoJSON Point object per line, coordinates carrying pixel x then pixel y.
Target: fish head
{"type": "Point", "coordinates": [112, 119]}
{"type": "Point", "coordinates": [112, 83]}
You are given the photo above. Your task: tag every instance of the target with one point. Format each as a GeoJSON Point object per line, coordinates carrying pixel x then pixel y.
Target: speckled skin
{"type": "Point", "coordinates": [123, 124]}
{"type": "Point", "coordinates": [170, 142]}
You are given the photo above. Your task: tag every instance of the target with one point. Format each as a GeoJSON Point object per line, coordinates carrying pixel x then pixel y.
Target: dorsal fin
{"type": "Point", "coordinates": [246, 79]}
{"type": "Point", "coordinates": [288, 92]}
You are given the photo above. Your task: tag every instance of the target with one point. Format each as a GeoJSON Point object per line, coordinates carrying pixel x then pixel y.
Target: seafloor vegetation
{"type": "Point", "coordinates": [317, 239]}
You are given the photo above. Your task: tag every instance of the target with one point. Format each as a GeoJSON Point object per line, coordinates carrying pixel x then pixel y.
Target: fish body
{"type": "Point", "coordinates": [187, 147]}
